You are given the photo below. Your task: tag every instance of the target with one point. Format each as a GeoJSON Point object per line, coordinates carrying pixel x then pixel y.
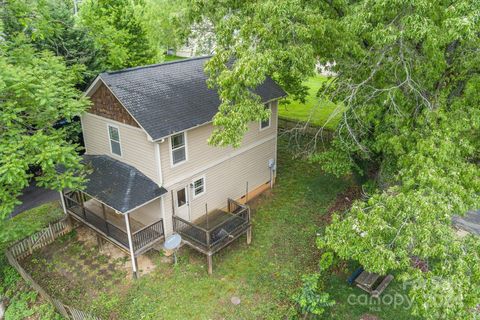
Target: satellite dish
{"type": "Point", "coordinates": [173, 243]}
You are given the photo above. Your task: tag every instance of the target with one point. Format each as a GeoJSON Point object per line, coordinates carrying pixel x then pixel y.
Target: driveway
{"type": "Point", "coordinates": [34, 196]}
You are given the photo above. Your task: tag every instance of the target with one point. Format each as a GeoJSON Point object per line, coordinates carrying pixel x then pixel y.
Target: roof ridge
{"type": "Point", "coordinates": [157, 65]}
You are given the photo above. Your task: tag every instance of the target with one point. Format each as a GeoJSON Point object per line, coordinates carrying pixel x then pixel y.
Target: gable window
{"type": "Point", "coordinates": [198, 186]}
{"type": "Point", "coordinates": [264, 124]}
{"type": "Point", "coordinates": [178, 147]}
{"type": "Point", "coordinates": [114, 135]}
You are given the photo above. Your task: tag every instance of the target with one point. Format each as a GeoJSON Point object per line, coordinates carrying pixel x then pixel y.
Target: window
{"type": "Point", "coordinates": [114, 135]}
{"type": "Point", "coordinates": [264, 124]}
{"type": "Point", "coordinates": [181, 198]}
{"type": "Point", "coordinates": [178, 147]}
{"type": "Point", "coordinates": [198, 186]}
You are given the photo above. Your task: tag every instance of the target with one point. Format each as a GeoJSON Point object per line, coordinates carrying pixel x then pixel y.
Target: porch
{"type": "Point", "coordinates": [215, 230]}
{"type": "Point", "coordinates": [111, 225]}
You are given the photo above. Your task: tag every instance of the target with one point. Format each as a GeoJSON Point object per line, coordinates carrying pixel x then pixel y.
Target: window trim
{"type": "Point", "coordinates": [268, 104]}
{"type": "Point", "coordinates": [186, 197]}
{"type": "Point", "coordinates": [194, 196]}
{"type": "Point", "coordinates": [110, 140]}
{"type": "Point", "coordinates": [171, 148]}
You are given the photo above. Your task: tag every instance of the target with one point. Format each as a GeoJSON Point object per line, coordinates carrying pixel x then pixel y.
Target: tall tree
{"type": "Point", "coordinates": [409, 80]}
{"type": "Point", "coordinates": [36, 90]}
{"type": "Point", "coordinates": [51, 25]}
{"type": "Point", "coordinates": [120, 32]}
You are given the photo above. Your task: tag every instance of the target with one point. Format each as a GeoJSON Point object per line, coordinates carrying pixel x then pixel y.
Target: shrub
{"type": "Point", "coordinates": [310, 300]}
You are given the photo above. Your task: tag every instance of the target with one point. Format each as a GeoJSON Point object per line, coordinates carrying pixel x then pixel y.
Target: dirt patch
{"type": "Point", "coordinates": [343, 202]}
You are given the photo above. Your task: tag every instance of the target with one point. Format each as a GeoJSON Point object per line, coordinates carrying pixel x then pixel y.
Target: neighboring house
{"type": "Point", "coordinates": [152, 170]}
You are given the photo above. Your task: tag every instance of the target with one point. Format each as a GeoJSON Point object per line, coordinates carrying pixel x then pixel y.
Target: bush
{"type": "Point", "coordinates": [310, 300]}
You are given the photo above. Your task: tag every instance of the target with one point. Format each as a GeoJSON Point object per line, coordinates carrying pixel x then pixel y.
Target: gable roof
{"type": "Point", "coordinates": [119, 185]}
{"type": "Point", "coordinates": [171, 97]}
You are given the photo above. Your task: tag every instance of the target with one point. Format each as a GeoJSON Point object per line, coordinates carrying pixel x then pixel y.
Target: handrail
{"type": "Point", "coordinates": [190, 224]}
{"type": "Point", "coordinates": [146, 227]}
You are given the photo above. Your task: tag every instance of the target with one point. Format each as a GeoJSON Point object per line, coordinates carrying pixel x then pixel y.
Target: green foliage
{"type": "Point", "coordinates": [310, 300]}
{"type": "Point", "coordinates": [409, 81]}
{"type": "Point", "coordinates": [120, 32]}
{"type": "Point", "coordinates": [50, 25]}
{"type": "Point", "coordinates": [319, 112]}
{"type": "Point", "coordinates": [166, 23]}
{"type": "Point", "coordinates": [36, 90]}
{"type": "Point", "coordinates": [326, 261]}
{"type": "Point", "coordinates": [18, 308]}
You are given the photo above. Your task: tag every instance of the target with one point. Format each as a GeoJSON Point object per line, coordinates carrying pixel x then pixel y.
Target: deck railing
{"type": "Point", "coordinates": [144, 236]}
{"type": "Point", "coordinates": [210, 239]}
{"type": "Point", "coordinates": [140, 238]}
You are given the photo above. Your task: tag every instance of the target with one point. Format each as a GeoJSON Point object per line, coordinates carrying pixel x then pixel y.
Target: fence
{"type": "Point", "coordinates": [25, 247]}
{"type": "Point", "coordinates": [42, 238]}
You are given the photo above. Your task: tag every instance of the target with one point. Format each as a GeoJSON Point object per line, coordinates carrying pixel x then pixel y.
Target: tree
{"type": "Point", "coordinates": [50, 25]}
{"type": "Point", "coordinates": [120, 32]}
{"type": "Point", "coordinates": [409, 80]}
{"type": "Point", "coordinates": [167, 23]}
{"type": "Point", "coordinates": [36, 90]}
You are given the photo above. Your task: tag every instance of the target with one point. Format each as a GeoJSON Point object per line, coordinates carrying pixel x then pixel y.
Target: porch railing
{"type": "Point", "coordinates": [144, 236]}
{"type": "Point", "coordinates": [211, 239]}
{"type": "Point", "coordinates": [140, 238]}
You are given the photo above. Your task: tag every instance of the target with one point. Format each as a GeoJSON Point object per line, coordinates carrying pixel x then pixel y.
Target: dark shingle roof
{"type": "Point", "coordinates": [118, 185]}
{"type": "Point", "coordinates": [172, 97]}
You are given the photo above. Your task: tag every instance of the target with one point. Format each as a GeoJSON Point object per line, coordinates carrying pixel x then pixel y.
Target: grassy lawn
{"type": "Point", "coordinates": [314, 109]}
{"type": "Point", "coordinates": [23, 302]}
{"type": "Point", "coordinates": [263, 275]}
{"type": "Point", "coordinates": [168, 58]}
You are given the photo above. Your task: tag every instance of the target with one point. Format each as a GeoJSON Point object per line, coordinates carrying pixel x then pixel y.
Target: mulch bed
{"type": "Point", "coordinates": [343, 202]}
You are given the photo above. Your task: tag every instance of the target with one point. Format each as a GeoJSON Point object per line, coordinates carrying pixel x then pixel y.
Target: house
{"type": "Point", "coordinates": [151, 170]}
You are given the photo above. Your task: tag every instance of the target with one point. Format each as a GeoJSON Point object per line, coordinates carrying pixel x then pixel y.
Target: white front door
{"type": "Point", "coordinates": [182, 203]}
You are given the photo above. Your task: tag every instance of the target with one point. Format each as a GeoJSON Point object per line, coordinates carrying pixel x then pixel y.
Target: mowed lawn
{"type": "Point", "coordinates": [315, 110]}
{"type": "Point", "coordinates": [263, 275]}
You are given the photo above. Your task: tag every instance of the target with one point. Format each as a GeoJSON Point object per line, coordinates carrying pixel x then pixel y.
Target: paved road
{"type": "Point", "coordinates": [34, 196]}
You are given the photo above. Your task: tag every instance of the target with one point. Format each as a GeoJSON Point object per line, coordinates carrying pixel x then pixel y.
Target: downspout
{"type": "Point", "coordinates": [130, 245]}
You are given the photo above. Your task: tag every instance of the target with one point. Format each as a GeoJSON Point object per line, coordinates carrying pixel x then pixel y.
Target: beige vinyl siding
{"type": "Point", "coordinates": [149, 213]}
{"type": "Point", "coordinates": [227, 180]}
{"type": "Point", "coordinates": [200, 154]}
{"type": "Point", "coordinates": [136, 149]}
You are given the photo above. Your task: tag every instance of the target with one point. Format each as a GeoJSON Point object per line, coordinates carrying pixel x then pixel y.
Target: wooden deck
{"type": "Point", "coordinates": [215, 230]}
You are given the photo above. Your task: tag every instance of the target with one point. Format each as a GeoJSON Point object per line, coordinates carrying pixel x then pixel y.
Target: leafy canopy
{"type": "Point", "coordinates": [36, 90]}
{"type": "Point", "coordinates": [120, 32]}
{"type": "Point", "coordinates": [409, 81]}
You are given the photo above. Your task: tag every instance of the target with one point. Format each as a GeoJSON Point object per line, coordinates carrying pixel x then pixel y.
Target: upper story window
{"type": "Point", "coordinates": [114, 135]}
{"type": "Point", "coordinates": [178, 148]}
{"type": "Point", "coordinates": [198, 186]}
{"type": "Point", "coordinates": [264, 124]}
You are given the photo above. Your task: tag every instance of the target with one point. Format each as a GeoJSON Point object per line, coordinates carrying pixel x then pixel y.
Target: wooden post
{"type": "Point", "coordinates": [62, 199]}
{"type": "Point", "coordinates": [210, 263]}
{"type": "Point", "coordinates": [206, 212]}
{"type": "Point", "coordinates": [130, 245]}
{"type": "Point", "coordinates": [105, 219]}
{"type": "Point", "coordinates": [249, 230]}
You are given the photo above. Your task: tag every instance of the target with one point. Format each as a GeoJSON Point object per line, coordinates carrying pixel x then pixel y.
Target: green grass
{"type": "Point", "coordinates": [24, 302]}
{"type": "Point", "coordinates": [29, 222]}
{"type": "Point", "coordinates": [263, 275]}
{"type": "Point", "coordinates": [168, 58]}
{"type": "Point", "coordinates": [315, 110]}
